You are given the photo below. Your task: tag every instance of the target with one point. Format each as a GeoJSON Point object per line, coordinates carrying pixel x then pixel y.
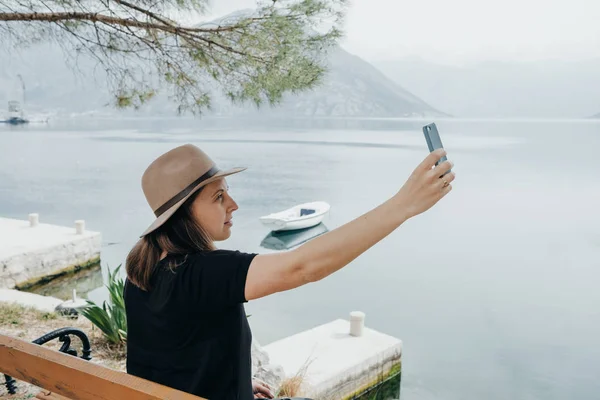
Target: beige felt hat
{"type": "Point", "coordinates": [176, 175]}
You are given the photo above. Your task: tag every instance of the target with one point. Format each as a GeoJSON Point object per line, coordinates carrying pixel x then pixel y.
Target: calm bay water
{"type": "Point", "coordinates": [493, 291]}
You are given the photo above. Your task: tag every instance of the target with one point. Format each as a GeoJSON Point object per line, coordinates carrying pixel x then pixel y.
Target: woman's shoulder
{"type": "Point", "coordinates": [219, 255]}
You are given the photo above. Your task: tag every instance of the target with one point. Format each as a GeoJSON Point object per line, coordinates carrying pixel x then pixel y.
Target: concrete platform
{"type": "Point", "coordinates": [29, 300]}
{"type": "Point", "coordinates": [338, 360]}
{"type": "Point", "coordinates": [31, 252]}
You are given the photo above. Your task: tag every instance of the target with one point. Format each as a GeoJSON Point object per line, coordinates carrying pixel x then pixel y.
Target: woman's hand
{"type": "Point", "coordinates": [426, 185]}
{"type": "Point", "coordinates": [261, 390]}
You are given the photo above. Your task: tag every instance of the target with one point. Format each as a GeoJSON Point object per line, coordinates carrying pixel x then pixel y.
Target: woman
{"type": "Point", "coordinates": [187, 326]}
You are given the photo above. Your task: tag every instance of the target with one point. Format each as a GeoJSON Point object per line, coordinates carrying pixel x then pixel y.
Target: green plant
{"type": "Point", "coordinates": [111, 318]}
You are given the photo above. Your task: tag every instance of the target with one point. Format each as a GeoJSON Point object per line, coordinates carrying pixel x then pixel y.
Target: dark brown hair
{"type": "Point", "coordinates": [180, 235]}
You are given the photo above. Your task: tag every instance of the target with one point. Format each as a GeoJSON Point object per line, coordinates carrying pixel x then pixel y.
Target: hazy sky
{"type": "Point", "coordinates": [461, 31]}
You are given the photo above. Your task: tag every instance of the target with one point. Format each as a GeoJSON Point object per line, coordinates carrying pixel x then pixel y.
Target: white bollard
{"type": "Point", "coordinates": [34, 219]}
{"type": "Point", "coordinates": [74, 296]}
{"type": "Point", "coordinates": [80, 226]}
{"type": "Point", "coordinates": [357, 323]}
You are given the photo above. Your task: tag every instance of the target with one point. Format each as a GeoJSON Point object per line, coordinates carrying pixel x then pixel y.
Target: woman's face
{"type": "Point", "coordinates": [213, 209]}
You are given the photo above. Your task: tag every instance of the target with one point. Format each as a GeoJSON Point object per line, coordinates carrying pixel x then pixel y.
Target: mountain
{"type": "Point", "coordinates": [542, 89]}
{"type": "Point", "coordinates": [352, 88]}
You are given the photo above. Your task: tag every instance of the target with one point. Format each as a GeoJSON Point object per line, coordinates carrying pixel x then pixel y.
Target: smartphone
{"type": "Point", "coordinates": [432, 136]}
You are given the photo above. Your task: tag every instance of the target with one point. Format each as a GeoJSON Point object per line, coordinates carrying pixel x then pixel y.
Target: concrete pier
{"type": "Point", "coordinates": [29, 300]}
{"type": "Point", "coordinates": [32, 252]}
{"type": "Point", "coordinates": [342, 359]}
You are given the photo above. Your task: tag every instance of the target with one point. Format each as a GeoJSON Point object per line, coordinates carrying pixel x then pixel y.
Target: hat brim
{"type": "Point", "coordinates": [164, 217]}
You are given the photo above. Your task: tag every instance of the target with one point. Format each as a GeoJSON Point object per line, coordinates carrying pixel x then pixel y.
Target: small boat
{"type": "Point", "coordinates": [301, 216]}
{"type": "Point", "coordinates": [15, 111]}
{"type": "Point", "coordinates": [15, 114]}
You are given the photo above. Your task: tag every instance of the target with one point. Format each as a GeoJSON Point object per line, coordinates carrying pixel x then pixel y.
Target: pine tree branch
{"type": "Point", "coordinates": [251, 57]}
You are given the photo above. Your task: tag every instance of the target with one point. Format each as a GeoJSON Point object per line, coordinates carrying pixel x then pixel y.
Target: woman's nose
{"type": "Point", "coordinates": [233, 204]}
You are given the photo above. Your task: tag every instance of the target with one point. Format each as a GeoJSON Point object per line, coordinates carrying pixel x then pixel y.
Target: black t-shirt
{"type": "Point", "coordinates": [190, 331]}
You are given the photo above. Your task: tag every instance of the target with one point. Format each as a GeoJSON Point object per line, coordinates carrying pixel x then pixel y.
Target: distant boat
{"type": "Point", "coordinates": [15, 111]}
{"type": "Point", "coordinates": [301, 216]}
{"type": "Point", "coordinates": [15, 114]}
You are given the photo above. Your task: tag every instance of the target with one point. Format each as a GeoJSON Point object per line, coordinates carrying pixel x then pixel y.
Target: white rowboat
{"type": "Point", "coordinates": [300, 216]}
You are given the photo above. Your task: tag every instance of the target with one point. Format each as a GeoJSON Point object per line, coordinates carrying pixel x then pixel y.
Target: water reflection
{"type": "Point", "coordinates": [83, 281]}
{"type": "Point", "coordinates": [284, 240]}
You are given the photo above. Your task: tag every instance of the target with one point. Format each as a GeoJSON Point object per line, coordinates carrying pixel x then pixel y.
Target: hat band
{"type": "Point", "coordinates": [179, 196]}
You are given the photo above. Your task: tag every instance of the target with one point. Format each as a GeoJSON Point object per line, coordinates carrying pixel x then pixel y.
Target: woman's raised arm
{"type": "Point", "coordinates": [322, 256]}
